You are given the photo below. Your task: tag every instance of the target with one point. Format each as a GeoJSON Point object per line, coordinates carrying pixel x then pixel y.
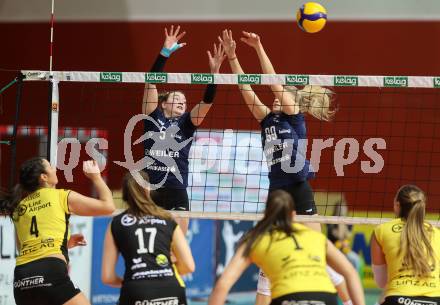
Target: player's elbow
{"type": "Point", "coordinates": [380, 275]}
{"type": "Point", "coordinates": [191, 267]}
{"type": "Point", "coordinates": [187, 267]}
{"type": "Point", "coordinates": [107, 279]}
{"type": "Point", "coordinates": [108, 207]}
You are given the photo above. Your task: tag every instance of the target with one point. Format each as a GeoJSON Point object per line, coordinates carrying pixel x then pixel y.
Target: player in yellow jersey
{"type": "Point", "coordinates": [40, 213]}
{"type": "Point", "coordinates": [406, 252]}
{"type": "Point", "coordinates": [293, 257]}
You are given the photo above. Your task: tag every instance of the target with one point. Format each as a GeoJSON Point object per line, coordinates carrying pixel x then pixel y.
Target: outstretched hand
{"type": "Point", "coordinates": [216, 60]}
{"type": "Point", "coordinates": [91, 169]}
{"type": "Point", "coordinates": [172, 38]}
{"type": "Point", "coordinates": [76, 240]}
{"type": "Point", "coordinates": [228, 43]}
{"type": "Point", "coordinates": [251, 39]}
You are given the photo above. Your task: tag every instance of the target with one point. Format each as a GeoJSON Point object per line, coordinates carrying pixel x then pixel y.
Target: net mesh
{"type": "Point", "coordinates": [380, 139]}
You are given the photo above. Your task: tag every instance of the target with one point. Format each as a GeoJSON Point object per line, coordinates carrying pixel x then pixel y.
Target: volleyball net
{"type": "Point", "coordinates": [385, 134]}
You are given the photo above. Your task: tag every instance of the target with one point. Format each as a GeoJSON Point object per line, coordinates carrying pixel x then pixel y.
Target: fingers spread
{"type": "Point", "coordinates": [180, 35]}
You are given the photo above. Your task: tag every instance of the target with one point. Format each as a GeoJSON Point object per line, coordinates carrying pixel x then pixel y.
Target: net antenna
{"type": "Point", "coordinates": [53, 100]}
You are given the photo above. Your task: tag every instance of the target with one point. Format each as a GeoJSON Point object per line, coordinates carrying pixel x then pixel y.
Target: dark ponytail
{"type": "Point", "coordinates": [277, 217]}
{"type": "Point", "coordinates": [29, 182]}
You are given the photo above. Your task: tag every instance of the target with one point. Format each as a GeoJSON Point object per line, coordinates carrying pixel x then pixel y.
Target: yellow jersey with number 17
{"type": "Point", "coordinates": [42, 224]}
{"type": "Point", "coordinates": [401, 280]}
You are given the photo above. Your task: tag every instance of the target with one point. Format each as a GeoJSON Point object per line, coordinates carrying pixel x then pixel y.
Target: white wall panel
{"type": "Point", "coordinates": [208, 10]}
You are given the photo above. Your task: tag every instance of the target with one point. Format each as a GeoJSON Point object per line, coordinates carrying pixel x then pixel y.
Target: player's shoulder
{"type": "Point", "coordinates": [393, 225]}
{"type": "Point", "coordinates": [308, 232]}
{"type": "Point", "coordinates": [124, 219]}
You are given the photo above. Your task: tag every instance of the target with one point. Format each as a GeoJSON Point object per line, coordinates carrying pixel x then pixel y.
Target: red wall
{"type": "Point", "coordinates": [355, 48]}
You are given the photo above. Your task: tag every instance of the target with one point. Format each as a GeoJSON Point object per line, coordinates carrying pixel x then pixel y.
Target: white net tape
{"type": "Point", "coordinates": [253, 79]}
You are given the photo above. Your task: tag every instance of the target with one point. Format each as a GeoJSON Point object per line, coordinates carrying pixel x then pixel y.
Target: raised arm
{"type": "Point", "coordinates": [171, 44]}
{"type": "Point", "coordinates": [257, 108]}
{"type": "Point", "coordinates": [286, 98]}
{"type": "Point", "coordinates": [88, 206]}
{"type": "Point", "coordinates": [199, 111]}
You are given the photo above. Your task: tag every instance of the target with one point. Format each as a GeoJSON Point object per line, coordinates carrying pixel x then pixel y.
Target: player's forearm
{"type": "Point", "coordinates": [266, 65]}
{"type": "Point", "coordinates": [112, 280]}
{"type": "Point", "coordinates": [237, 69]}
{"type": "Point", "coordinates": [150, 98]}
{"type": "Point", "coordinates": [218, 296]}
{"type": "Point", "coordinates": [267, 68]}
{"type": "Point", "coordinates": [104, 194]}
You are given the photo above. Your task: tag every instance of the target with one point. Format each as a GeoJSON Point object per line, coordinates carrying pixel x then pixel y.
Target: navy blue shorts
{"type": "Point", "coordinates": [302, 195]}
{"type": "Point", "coordinates": [171, 199]}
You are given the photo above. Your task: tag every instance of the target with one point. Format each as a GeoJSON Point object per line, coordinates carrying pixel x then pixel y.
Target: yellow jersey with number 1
{"type": "Point", "coordinates": [42, 224]}
{"type": "Point", "coordinates": [294, 263]}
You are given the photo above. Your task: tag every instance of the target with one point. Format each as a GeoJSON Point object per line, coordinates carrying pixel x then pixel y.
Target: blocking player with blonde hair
{"type": "Point", "coordinates": [284, 127]}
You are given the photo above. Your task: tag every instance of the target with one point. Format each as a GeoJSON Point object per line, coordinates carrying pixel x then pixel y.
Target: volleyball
{"type": "Point", "coordinates": [311, 17]}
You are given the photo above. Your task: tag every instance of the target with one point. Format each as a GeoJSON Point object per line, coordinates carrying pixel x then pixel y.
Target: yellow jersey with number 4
{"type": "Point", "coordinates": [294, 263]}
{"type": "Point", "coordinates": [402, 281]}
{"type": "Point", "coordinates": [42, 224]}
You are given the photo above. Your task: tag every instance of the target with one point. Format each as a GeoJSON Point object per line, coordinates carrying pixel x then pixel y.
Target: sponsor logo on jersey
{"type": "Point", "coordinates": [436, 82]}
{"type": "Point", "coordinates": [22, 208]}
{"type": "Point", "coordinates": [162, 260]}
{"type": "Point", "coordinates": [284, 131]}
{"type": "Point", "coordinates": [137, 263]}
{"type": "Point", "coordinates": [397, 228]}
{"type": "Point", "coordinates": [110, 77]}
{"type": "Point", "coordinates": [128, 220]}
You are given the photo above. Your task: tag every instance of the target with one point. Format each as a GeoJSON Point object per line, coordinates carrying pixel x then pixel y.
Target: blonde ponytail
{"type": "Point", "coordinates": [316, 101]}
{"type": "Point", "coordinates": [416, 236]}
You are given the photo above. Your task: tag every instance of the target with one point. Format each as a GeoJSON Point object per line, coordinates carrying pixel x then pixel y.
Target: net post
{"type": "Point", "coordinates": [52, 132]}
{"type": "Point", "coordinates": [49, 120]}
{"type": "Point", "coordinates": [13, 142]}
